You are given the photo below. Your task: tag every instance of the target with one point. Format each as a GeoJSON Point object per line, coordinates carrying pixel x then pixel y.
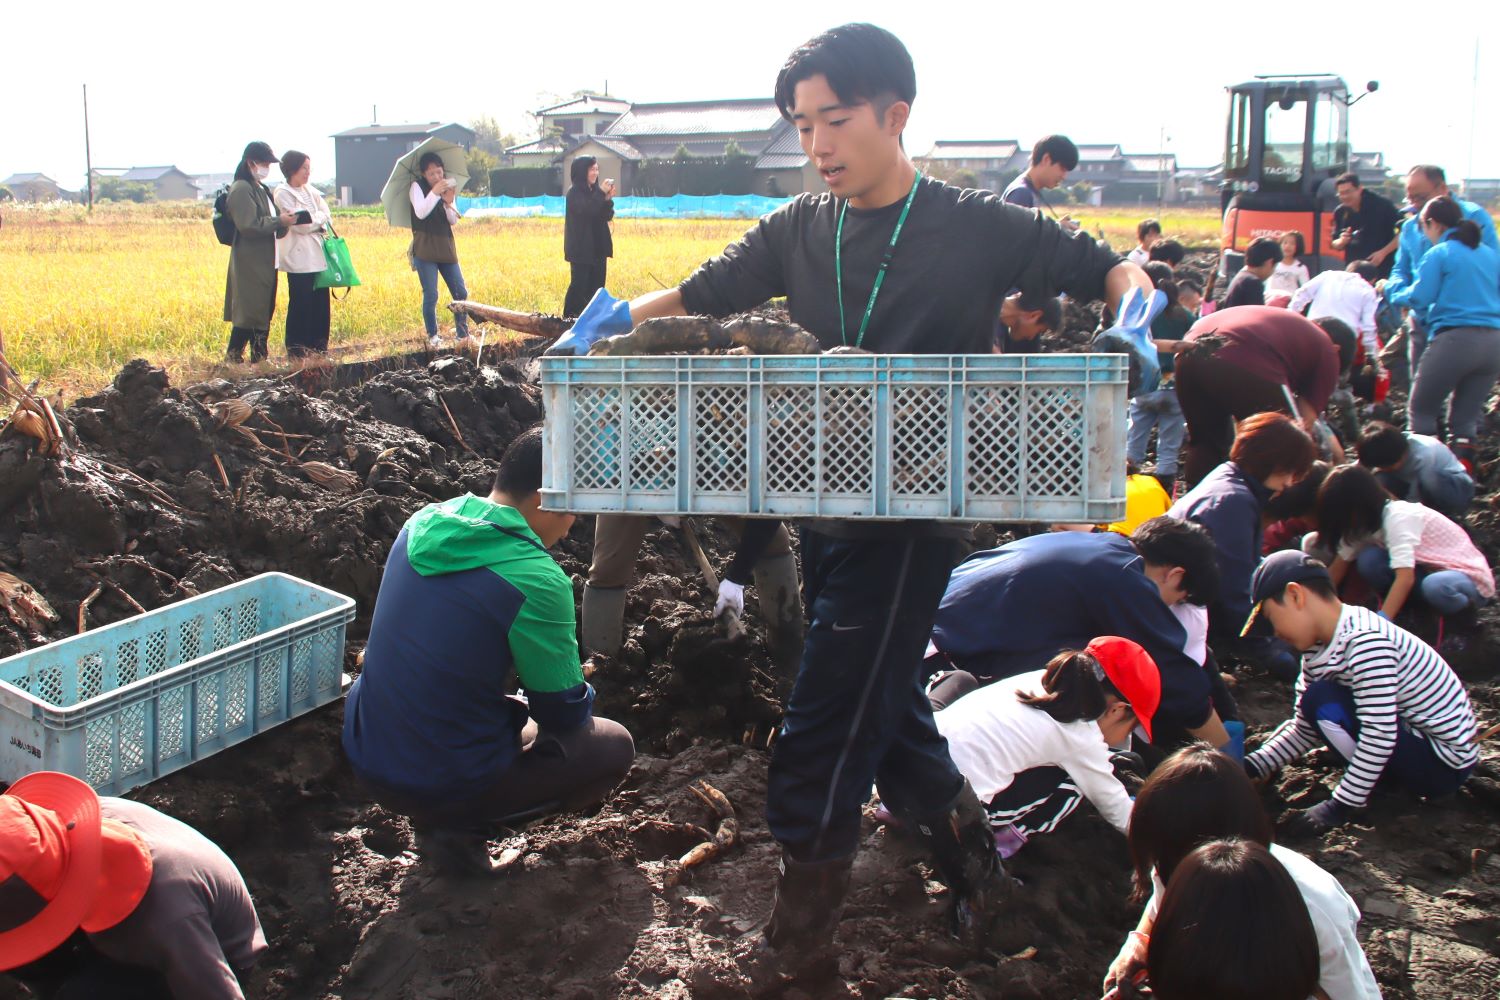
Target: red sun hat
{"type": "Point", "coordinates": [1132, 671]}
{"type": "Point", "coordinates": [62, 867]}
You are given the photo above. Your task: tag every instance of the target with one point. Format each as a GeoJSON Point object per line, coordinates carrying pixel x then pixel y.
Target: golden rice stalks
{"type": "Point", "coordinates": [330, 478]}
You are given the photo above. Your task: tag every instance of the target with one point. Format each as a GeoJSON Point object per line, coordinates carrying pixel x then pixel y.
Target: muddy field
{"type": "Point", "coordinates": [593, 906]}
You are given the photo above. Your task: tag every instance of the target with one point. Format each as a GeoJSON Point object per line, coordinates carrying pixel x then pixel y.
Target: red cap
{"type": "Point", "coordinates": [62, 867]}
{"type": "Point", "coordinates": [1132, 671]}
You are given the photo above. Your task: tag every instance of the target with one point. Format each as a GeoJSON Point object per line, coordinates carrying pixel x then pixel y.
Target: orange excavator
{"type": "Point", "coordinates": [1288, 138]}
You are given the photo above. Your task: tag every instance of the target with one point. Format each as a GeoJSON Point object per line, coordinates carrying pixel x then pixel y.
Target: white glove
{"type": "Point", "coordinates": [731, 597]}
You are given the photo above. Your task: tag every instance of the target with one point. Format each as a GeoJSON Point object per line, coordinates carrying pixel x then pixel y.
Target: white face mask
{"type": "Point", "coordinates": [262, 171]}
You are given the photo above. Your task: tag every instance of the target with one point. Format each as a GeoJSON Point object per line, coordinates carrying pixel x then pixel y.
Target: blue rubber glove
{"type": "Point", "coordinates": [1131, 335]}
{"type": "Point", "coordinates": [1236, 745]}
{"type": "Point", "coordinates": [604, 316]}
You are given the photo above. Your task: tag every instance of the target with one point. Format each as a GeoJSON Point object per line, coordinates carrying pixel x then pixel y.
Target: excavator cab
{"type": "Point", "coordinates": [1286, 141]}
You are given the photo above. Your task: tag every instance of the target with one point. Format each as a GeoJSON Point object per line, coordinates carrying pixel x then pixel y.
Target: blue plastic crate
{"type": "Point", "coordinates": [966, 437]}
{"type": "Point", "coordinates": [127, 703]}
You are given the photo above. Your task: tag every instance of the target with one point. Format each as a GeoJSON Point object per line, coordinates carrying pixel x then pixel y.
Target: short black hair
{"type": "Point", "coordinates": [1158, 271]}
{"type": "Point", "coordinates": [1059, 147]}
{"type": "Point", "coordinates": [1431, 171]}
{"type": "Point", "coordinates": [1262, 250]}
{"type": "Point", "coordinates": [862, 64]}
{"type": "Point", "coordinates": [1343, 337]}
{"type": "Point", "coordinates": [1166, 541]}
{"type": "Point", "coordinates": [1365, 270]}
{"type": "Point", "coordinates": [291, 162]}
{"type": "Point", "coordinates": [1167, 251]}
{"type": "Point", "coordinates": [1190, 282]}
{"type": "Point", "coordinates": [1233, 925]}
{"type": "Point", "coordinates": [1050, 306]}
{"type": "Point", "coordinates": [1146, 227]}
{"type": "Point", "coordinates": [1381, 445]}
{"type": "Point", "coordinates": [1348, 177]}
{"type": "Point", "coordinates": [520, 472]}
{"type": "Point", "coordinates": [427, 160]}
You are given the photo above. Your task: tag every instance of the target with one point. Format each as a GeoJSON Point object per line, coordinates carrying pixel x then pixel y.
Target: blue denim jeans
{"type": "Point", "coordinates": [428, 272]}
{"type": "Point", "coordinates": [1161, 410]}
{"type": "Point", "coordinates": [1446, 591]}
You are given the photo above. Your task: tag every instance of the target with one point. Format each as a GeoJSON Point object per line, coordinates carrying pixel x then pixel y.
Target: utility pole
{"type": "Point", "coordinates": [88, 156]}
{"type": "Point", "coordinates": [374, 118]}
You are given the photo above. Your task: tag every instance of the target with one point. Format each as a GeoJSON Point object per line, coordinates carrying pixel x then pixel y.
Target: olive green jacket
{"type": "Point", "coordinates": [250, 291]}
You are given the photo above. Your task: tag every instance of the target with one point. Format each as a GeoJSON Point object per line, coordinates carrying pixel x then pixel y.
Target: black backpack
{"type": "Point", "coordinates": [223, 224]}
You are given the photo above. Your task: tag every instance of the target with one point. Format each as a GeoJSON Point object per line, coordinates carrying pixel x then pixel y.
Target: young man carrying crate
{"type": "Point", "coordinates": [889, 262]}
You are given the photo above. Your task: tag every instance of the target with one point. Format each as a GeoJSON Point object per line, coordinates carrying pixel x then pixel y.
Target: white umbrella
{"type": "Point", "coordinates": [396, 196]}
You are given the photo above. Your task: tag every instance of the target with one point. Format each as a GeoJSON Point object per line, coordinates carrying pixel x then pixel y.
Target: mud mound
{"type": "Point", "coordinates": [162, 498]}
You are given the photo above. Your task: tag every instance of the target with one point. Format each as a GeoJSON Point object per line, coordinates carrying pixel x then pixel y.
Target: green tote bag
{"type": "Point", "coordinates": [339, 270]}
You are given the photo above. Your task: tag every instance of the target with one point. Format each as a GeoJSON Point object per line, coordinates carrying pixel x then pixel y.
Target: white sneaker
{"type": "Point", "coordinates": [434, 342]}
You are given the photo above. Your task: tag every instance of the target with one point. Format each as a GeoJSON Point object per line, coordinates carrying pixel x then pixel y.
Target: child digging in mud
{"type": "Point", "coordinates": [1380, 698]}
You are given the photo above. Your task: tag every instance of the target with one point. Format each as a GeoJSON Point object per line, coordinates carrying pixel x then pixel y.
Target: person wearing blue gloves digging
{"type": "Point", "coordinates": [891, 262]}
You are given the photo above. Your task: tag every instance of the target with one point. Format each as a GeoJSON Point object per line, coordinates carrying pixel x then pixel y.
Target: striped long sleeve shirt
{"type": "Point", "coordinates": [1397, 679]}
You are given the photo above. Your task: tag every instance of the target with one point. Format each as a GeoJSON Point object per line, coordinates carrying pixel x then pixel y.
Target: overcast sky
{"type": "Point", "coordinates": [191, 83]}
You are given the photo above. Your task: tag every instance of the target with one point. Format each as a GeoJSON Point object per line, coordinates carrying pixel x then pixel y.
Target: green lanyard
{"type": "Point", "coordinates": [885, 263]}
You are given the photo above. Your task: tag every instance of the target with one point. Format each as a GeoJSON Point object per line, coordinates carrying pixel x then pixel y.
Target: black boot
{"type": "Point", "coordinates": [963, 847]}
{"type": "Point", "coordinates": [239, 338]}
{"type": "Point", "coordinates": [795, 943]}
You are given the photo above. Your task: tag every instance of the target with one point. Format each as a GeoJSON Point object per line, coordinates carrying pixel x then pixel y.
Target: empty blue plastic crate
{"type": "Point", "coordinates": [127, 703]}
{"type": "Point", "coordinates": [969, 437]}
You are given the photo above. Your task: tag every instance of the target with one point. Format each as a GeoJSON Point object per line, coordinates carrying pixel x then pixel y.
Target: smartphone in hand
{"type": "Point", "coordinates": [304, 218]}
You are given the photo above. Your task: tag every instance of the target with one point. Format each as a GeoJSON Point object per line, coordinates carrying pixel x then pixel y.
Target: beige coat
{"type": "Point", "coordinates": [250, 290]}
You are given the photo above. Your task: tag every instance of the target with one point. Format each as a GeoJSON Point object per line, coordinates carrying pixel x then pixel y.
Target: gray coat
{"type": "Point", "coordinates": [250, 291]}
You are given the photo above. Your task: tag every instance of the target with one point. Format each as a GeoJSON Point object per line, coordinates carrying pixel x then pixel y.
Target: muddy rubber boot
{"type": "Point", "coordinates": [780, 596]}
{"type": "Point", "coordinates": [603, 627]}
{"type": "Point", "coordinates": [963, 848]}
{"type": "Point", "coordinates": [796, 943]}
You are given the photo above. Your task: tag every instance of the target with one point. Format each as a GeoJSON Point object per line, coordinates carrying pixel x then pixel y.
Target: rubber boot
{"type": "Point", "coordinates": [796, 942]}
{"type": "Point", "coordinates": [603, 628]}
{"type": "Point", "coordinates": [963, 848]}
{"type": "Point", "coordinates": [780, 595]}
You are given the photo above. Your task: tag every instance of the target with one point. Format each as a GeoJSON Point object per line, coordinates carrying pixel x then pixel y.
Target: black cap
{"type": "Point", "coordinates": [1271, 577]}
{"type": "Point", "coordinates": [260, 152]}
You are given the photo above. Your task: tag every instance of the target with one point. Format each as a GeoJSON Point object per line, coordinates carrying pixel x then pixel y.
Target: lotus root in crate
{"type": "Point", "coordinates": [964, 437]}
{"type": "Point", "coordinates": [130, 702]}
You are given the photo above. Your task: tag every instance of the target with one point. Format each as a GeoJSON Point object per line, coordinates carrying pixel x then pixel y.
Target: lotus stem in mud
{"type": "Point", "coordinates": [531, 324]}
{"type": "Point", "coordinates": [330, 478]}
{"type": "Point", "coordinates": [726, 835]}
{"type": "Point", "coordinates": [83, 609]}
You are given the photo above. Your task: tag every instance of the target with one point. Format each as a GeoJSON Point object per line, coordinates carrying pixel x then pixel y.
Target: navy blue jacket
{"type": "Point", "coordinates": [1011, 609]}
{"type": "Point", "coordinates": [1228, 502]}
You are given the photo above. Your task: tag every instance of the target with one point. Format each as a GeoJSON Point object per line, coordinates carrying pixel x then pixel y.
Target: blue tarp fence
{"type": "Point", "coordinates": [679, 206]}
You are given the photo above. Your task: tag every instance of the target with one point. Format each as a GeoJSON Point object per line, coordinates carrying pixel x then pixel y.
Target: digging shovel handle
{"type": "Point", "coordinates": [731, 620]}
